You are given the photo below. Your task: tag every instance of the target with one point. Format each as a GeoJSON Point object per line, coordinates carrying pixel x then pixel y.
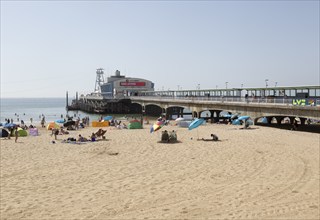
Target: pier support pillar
{"type": "Point", "coordinates": [279, 119]}
{"type": "Point", "coordinates": [291, 120]}
{"type": "Point", "coordinates": [181, 113]}
{"type": "Point", "coordinates": [215, 115]}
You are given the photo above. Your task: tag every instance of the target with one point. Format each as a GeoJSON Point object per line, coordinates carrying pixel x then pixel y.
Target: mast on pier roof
{"type": "Point", "coordinates": [99, 80]}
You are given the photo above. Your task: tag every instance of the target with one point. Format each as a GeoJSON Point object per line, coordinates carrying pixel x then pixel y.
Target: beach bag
{"type": "Point", "coordinates": [33, 132]}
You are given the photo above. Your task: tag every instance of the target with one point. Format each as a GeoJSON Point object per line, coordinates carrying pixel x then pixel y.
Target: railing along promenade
{"type": "Point", "coordinates": [253, 106]}
{"type": "Point", "coordinates": [250, 100]}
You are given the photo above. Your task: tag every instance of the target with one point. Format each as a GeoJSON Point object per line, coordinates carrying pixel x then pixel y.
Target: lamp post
{"type": "Point", "coordinates": [275, 84]}
{"type": "Point", "coordinates": [265, 94]}
{"type": "Point", "coordinates": [227, 85]}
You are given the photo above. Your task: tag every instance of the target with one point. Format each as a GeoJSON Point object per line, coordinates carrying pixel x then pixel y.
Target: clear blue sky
{"type": "Point", "coordinates": [49, 47]}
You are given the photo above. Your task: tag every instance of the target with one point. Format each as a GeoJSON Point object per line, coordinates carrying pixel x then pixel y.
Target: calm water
{"type": "Point", "coordinates": [26, 108]}
{"type": "Point", "coordinates": [51, 108]}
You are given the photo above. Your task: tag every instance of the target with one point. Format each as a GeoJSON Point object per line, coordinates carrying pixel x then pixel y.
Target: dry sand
{"type": "Point", "coordinates": [259, 173]}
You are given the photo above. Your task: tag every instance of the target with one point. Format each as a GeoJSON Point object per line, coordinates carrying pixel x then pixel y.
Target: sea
{"type": "Point", "coordinates": [52, 109]}
{"type": "Point", "coordinates": [34, 109]}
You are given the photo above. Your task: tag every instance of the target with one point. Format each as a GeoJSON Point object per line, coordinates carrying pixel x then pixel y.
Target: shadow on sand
{"type": "Point", "coordinates": [313, 128]}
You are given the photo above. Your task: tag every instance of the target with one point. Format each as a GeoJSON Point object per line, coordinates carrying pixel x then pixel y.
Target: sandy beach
{"type": "Point", "coordinates": [258, 173]}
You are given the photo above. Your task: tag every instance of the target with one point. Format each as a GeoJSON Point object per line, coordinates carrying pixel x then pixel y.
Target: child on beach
{"type": "Point", "coordinates": [42, 122]}
{"type": "Point", "coordinates": [55, 132]}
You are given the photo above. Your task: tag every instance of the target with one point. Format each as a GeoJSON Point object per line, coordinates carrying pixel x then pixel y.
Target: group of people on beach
{"type": "Point", "coordinates": [168, 137]}
{"type": "Point", "coordinates": [95, 136]}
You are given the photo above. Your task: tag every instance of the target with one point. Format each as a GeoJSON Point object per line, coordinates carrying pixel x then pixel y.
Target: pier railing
{"type": "Point", "coordinates": [249, 100]}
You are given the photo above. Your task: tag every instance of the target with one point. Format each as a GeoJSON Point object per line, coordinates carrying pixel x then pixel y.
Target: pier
{"type": "Point", "coordinates": [276, 103]}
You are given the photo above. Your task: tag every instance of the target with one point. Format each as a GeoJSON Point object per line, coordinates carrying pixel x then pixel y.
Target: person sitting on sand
{"type": "Point", "coordinates": [93, 137]}
{"type": "Point", "coordinates": [246, 124]}
{"type": "Point", "coordinates": [165, 136]}
{"type": "Point", "coordinates": [100, 133]}
{"type": "Point", "coordinates": [214, 138]}
{"type": "Point", "coordinates": [62, 131]}
{"type": "Point", "coordinates": [82, 139]}
{"type": "Point", "coordinates": [173, 136]}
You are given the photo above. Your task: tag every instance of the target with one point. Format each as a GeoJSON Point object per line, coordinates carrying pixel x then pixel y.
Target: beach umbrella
{"type": "Point", "coordinates": [264, 120]}
{"type": "Point", "coordinates": [10, 125]}
{"type": "Point", "coordinates": [196, 123]}
{"type": "Point", "coordinates": [52, 125]}
{"type": "Point", "coordinates": [234, 116]}
{"type": "Point", "coordinates": [61, 121]}
{"type": "Point", "coordinates": [179, 119]}
{"type": "Point", "coordinates": [4, 133]}
{"type": "Point", "coordinates": [107, 118]}
{"type": "Point", "coordinates": [236, 122]}
{"type": "Point", "coordinates": [156, 126]}
{"type": "Point", "coordinates": [244, 118]}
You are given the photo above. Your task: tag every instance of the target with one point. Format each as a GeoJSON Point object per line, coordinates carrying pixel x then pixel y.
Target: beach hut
{"type": "Point", "coordinates": [52, 125]}
{"type": "Point", "coordinates": [134, 124]}
{"type": "Point", "coordinates": [4, 133]}
{"type": "Point", "coordinates": [22, 133]}
{"type": "Point", "coordinates": [33, 132]}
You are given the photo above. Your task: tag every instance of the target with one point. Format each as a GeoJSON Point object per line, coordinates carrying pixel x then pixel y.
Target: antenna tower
{"type": "Point", "coordinates": [99, 80]}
